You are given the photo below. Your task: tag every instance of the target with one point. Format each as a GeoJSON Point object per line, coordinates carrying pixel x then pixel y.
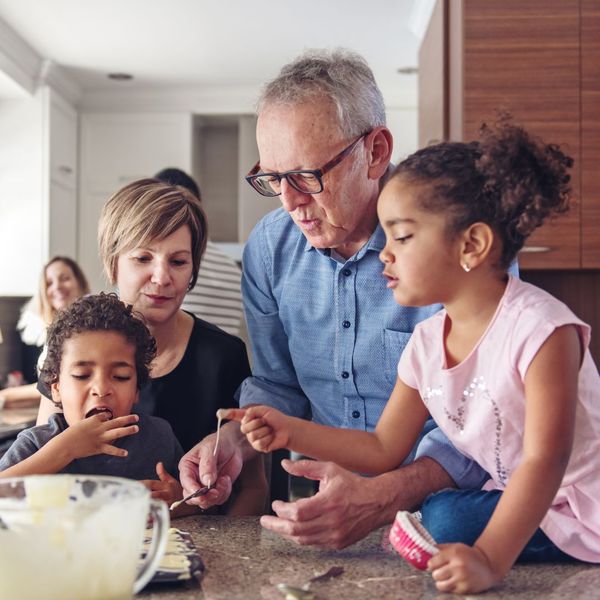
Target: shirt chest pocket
{"type": "Point", "coordinates": [394, 343]}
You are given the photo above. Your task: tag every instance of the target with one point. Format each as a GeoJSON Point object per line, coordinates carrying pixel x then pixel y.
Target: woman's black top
{"type": "Point", "coordinates": [206, 378]}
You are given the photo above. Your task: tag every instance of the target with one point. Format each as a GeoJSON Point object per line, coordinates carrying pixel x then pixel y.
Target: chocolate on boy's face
{"type": "Point", "coordinates": [97, 374]}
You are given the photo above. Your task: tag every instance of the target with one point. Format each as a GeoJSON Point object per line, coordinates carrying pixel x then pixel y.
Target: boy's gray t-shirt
{"type": "Point", "coordinates": [154, 442]}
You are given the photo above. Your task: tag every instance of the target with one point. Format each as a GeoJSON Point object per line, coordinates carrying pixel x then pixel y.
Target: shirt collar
{"type": "Point", "coordinates": [375, 244]}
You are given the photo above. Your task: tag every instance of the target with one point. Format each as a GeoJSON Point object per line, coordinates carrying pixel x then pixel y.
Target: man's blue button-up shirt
{"type": "Point", "coordinates": [326, 335]}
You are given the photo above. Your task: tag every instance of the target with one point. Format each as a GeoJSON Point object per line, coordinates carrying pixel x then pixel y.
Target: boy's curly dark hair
{"type": "Point", "coordinates": [508, 180]}
{"type": "Point", "coordinates": [101, 312]}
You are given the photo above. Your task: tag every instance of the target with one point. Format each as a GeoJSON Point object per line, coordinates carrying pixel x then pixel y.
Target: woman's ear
{"type": "Point", "coordinates": [476, 244]}
{"type": "Point", "coordinates": [380, 144]}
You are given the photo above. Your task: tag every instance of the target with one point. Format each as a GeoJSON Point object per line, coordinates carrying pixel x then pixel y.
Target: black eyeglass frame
{"type": "Point", "coordinates": [254, 173]}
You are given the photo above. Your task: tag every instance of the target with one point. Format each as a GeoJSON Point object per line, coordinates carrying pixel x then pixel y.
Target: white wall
{"type": "Point", "coordinates": [403, 123]}
{"type": "Point", "coordinates": [21, 195]}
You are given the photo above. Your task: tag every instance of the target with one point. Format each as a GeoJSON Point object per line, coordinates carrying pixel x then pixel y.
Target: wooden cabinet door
{"type": "Point", "coordinates": [524, 57]}
{"type": "Point", "coordinates": [590, 133]}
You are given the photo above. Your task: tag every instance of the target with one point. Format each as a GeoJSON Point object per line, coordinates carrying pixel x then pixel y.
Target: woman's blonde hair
{"type": "Point", "coordinates": [146, 210]}
{"type": "Point", "coordinates": [40, 303]}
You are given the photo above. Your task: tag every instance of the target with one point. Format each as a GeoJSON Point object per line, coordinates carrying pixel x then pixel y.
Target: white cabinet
{"type": "Point", "coordinates": [60, 129]}
{"type": "Point", "coordinates": [116, 149]}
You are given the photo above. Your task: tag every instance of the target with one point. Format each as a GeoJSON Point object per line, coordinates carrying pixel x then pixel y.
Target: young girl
{"type": "Point", "coordinates": [504, 368]}
{"type": "Point", "coordinates": [98, 357]}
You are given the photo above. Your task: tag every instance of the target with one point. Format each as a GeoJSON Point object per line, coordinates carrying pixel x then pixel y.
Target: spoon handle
{"type": "Point", "coordinates": [199, 492]}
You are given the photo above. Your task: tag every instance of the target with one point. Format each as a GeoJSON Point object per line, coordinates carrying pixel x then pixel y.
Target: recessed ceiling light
{"type": "Point", "coordinates": [407, 70]}
{"type": "Point", "coordinates": [120, 76]}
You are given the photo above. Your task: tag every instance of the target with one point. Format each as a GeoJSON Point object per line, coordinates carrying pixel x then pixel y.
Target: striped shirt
{"type": "Point", "coordinates": [217, 297]}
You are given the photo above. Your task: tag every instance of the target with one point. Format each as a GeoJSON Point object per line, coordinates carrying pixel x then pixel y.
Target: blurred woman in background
{"type": "Point", "coordinates": [61, 282]}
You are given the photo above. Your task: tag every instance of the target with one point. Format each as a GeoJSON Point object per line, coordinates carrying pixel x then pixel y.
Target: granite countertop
{"type": "Point", "coordinates": [245, 561]}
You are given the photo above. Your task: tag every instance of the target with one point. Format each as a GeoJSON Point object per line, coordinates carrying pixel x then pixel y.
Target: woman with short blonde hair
{"type": "Point", "coordinates": [151, 238]}
{"type": "Point", "coordinates": [145, 210]}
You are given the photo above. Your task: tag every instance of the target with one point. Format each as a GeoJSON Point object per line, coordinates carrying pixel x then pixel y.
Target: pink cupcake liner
{"type": "Point", "coordinates": [411, 540]}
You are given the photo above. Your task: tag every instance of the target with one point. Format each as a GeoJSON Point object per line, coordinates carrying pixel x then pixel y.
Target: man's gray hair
{"type": "Point", "coordinates": [341, 75]}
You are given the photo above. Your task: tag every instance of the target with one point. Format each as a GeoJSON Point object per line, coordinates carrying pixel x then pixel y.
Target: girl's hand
{"type": "Point", "coordinates": [96, 434]}
{"type": "Point", "coordinates": [266, 428]}
{"type": "Point", "coordinates": [462, 569]}
{"type": "Point", "coordinates": [166, 488]}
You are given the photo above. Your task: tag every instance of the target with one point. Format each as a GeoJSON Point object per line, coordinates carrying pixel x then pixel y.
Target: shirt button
{"type": "Point", "coordinates": [346, 324]}
{"type": "Point", "coordinates": [355, 414]}
{"type": "Point", "coordinates": [345, 374]}
{"type": "Point", "coordinates": [347, 272]}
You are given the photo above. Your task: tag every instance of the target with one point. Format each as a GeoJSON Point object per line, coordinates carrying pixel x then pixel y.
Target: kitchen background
{"type": "Point", "coordinates": [70, 135]}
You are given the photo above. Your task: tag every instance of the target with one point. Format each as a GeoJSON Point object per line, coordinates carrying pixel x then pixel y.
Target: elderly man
{"type": "Point", "coordinates": [326, 334]}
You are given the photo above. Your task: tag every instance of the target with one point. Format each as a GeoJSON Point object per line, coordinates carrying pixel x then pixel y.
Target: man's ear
{"type": "Point", "coordinates": [380, 144]}
{"type": "Point", "coordinates": [477, 242]}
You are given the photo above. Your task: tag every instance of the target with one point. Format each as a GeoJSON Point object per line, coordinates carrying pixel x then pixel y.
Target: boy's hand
{"type": "Point", "coordinates": [96, 434]}
{"type": "Point", "coordinates": [166, 488]}
{"type": "Point", "coordinates": [266, 428]}
{"type": "Point", "coordinates": [462, 569]}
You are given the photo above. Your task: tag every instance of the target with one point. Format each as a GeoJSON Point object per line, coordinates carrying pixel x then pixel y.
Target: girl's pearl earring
{"type": "Point", "coordinates": [466, 267]}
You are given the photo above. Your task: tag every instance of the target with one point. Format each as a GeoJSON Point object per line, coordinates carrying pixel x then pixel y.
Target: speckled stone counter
{"type": "Point", "coordinates": [245, 561]}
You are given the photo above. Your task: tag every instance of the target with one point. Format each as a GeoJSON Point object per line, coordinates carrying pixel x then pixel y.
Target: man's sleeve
{"type": "Point", "coordinates": [465, 472]}
{"type": "Point", "coordinates": [274, 380]}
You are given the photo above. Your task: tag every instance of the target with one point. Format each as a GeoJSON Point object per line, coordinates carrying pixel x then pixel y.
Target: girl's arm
{"type": "Point", "coordinates": [551, 385]}
{"type": "Point", "coordinates": [397, 430]}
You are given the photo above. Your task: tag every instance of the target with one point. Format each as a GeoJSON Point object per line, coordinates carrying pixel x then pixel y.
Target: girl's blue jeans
{"type": "Point", "coordinates": [453, 516]}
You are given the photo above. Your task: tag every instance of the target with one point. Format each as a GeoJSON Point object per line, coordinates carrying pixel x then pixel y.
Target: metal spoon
{"type": "Point", "coordinates": [303, 593]}
{"type": "Point", "coordinates": [195, 494]}
{"type": "Point", "coordinates": [221, 414]}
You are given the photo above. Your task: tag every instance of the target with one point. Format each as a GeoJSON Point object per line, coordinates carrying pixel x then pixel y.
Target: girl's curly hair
{"type": "Point", "coordinates": [508, 179]}
{"type": "Point", "coordinates": [101, 312]}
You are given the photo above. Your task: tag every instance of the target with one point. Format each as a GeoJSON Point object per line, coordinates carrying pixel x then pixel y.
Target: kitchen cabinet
{"type": "Point", "coordinates": [116, 149]}
{"type": "Point", "coordinates": [60, 132]}
{"type": "Point", "coordinates": [590, 133]}
{"type": "Point", "coordinates": [540, 60]}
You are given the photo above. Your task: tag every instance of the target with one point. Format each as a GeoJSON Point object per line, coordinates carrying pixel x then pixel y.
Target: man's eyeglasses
{"type": "Point", "coordinates": [307, 181]}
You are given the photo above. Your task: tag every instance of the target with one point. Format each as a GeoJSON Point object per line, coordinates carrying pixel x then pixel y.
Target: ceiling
{"type": "Point", "coordinates": [209, 44]}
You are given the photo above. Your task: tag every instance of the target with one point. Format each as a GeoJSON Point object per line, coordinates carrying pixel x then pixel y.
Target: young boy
{"type": "Point", "coordinates": [98, 358]}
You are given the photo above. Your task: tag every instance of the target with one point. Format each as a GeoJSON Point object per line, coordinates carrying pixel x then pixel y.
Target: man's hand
{"type": "Point", "coordinates": [266, 428]}
{"type": "Point", "coordinates": [96, 434]}
{"type": "Point", "coordinates": [346, 508]}
{"type": "Point", "coordinates": [199, 467]}
{"type": "Point", "coordinates": [462, 569]}
{"type": "Point", "coordinates": [165, 488]}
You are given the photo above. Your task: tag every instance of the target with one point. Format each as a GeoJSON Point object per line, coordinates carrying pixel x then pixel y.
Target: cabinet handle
{"type": "Point", "coordinates": [65, 170]}
{"type": "Point", "coordinates": [535, 249]}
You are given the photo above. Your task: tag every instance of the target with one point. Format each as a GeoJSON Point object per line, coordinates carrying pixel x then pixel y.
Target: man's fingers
{"type": "Point", "coordinates": [314, 533]}
{"type": "Point", "coordinates": [304, 509]}
{"type": "Point", "coordinates": [216, 496]}
{"type": "Point", "coordinates": [311, 469]}
{"type": "Point", "coordinates": [188, 473]}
